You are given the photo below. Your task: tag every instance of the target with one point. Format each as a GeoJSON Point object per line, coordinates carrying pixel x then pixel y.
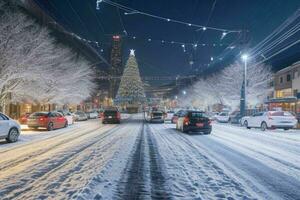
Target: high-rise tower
{"type": "Point", "coordinates": [116, 65]}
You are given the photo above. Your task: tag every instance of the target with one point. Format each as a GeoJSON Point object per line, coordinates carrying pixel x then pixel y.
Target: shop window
{"type": "Point", "coordinates": [288, 77]}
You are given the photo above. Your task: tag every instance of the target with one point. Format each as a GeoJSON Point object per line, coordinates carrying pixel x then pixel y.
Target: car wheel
{"type": "Point", "coordinates": [263, 126]}
{"type": "Point", "coordinates": [286, 129]}
{"type": "Point", "coordinates": [50, 126]}
{"type": "Point", "coordinates": [13, 135]}
{"type": "Point", "coordinates": [66, 124]}
{"type": "Point", "coordinates": [207, 132]}
{"type": "Point", "coordinates": [246, 125]}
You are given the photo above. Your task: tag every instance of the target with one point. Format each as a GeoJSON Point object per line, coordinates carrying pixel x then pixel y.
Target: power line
{"type": "Point", "coordinates": [130, 11]}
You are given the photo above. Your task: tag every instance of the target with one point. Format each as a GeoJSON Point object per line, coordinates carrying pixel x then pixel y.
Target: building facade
{"type": "Point", "coordinates": [286, 89]}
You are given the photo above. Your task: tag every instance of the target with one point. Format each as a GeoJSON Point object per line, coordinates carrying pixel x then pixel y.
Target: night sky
{"type": "Point", "coordinates": [260, 17]}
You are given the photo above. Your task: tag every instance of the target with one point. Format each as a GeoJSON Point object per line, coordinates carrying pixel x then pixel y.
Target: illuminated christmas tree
{"type": "Point", "coordinates": [131, 93]}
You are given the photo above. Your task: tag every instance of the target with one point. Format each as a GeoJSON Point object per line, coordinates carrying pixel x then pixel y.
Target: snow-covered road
{"type": "Point", "coordinates": [137, 160]}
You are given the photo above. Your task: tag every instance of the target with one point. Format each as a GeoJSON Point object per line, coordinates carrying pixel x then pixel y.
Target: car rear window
{"type": "Point", "coordinates": [38, 114]}
{"type": "Point", "coordinates": [281, 114]}
{"type": "Point", "coordinates": [197, 114]}
{"type": "Point", "coordinates": [110, 112]}
{"type": "Point", "coordinates": [223, 114]}
{"type": "Point", "coordinates": [157, 114]}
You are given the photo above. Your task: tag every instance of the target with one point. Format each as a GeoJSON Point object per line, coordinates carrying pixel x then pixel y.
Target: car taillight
{"type": "Point", "coordinates": [118, 115]}
{"type": "Point", "coordinates": [209, 122]}
{"type": "Point", "coordinates": [186, 121]}
{"type": "Point", "coordinates": [42, 118]}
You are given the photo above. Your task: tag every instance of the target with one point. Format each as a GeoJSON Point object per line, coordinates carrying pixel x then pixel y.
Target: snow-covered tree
{"type": "Point", "coordinates": [33, 67]}
{"type": "Point", "coordinates": [131, 90]}
{"type": "Point", "coordinates": [224, 87]}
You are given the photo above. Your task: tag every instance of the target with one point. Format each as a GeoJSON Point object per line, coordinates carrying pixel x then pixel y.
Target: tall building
{"type": "Point", "coordinates": [116, 65]}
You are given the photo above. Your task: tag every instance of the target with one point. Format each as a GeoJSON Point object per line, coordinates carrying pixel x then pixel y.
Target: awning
{"type": "Point", "coordinates": [282, 100]}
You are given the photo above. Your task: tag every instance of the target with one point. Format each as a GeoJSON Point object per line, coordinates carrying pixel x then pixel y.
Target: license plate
{"type": "Point", "coordinates": [199, 124]}
{"type": "Point", "coordinates": [109, 116]}
{"type": "Point", "coordinates": [285, 122]}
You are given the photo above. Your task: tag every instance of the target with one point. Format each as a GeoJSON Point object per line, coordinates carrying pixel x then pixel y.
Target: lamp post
{"type": "Point", "coordinates": [244, 87]}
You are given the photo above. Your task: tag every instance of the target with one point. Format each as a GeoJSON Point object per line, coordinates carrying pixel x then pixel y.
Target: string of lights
{"type": "Point", "coordinates": [131, 11]}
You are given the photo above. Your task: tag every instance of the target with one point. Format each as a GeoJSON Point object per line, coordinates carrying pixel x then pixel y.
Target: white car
{"type": "Point", "coordinates": [169, 115]}
{"type": "Point", "coordinates": [222, 117]}
{"type": "Point", "coordinates": [9, 129]}
{"type": "Point", "coordinates": [92, 115]}
{"type": "Point", "coordinates": [270, 119]}
{"type": "Point", "coordinates": [70, 118]}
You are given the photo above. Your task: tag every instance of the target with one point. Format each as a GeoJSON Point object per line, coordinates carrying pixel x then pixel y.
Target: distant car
{"type": "Point", "coordinates": [223, 117]}
{"type": "Point", "coordinates": [271, 119]}
{"type": "Point", "coordinates": [69, 116]}
{"type": "Point", "coordinates": [9, 129]}
{"type": "Point", "coordinates": [80, 116]}
{"type": "Point", "coordinates": [235, 117]}
{"type": "Point", "coordinates": [111, 116]}
{"type": "Point", "coordinates": [176, 115]}
{"type": "Point", "coordinates": [157, 117]}
{"type": "Point", "coordinates": [23, 118]}
{"type": "Point", "coordinates": [169, 115]}
{"type": "Point", "coordinates": [48, 120]}
{"type": "Point", "coordinates": [195, 121]}
{"type": "Point", "coordinates": [92, 115]}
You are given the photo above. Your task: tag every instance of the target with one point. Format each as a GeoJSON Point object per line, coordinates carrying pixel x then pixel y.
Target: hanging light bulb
{"type": "Point", "coordinates": [211, 58]}
{"type": "Point", "coordinates": [134, 37]}
{"type": "Point", "coordinates": [98, 4]}
{"type": "Point", "coordinates": [204, 28]}
{"type": "Point", "coordinates": [223, 35]}
{"type": "Point", "coordinates": [149, 39]}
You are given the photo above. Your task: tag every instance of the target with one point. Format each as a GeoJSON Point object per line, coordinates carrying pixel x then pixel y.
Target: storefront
{"type": "Point", "coordinates": [290, 104]}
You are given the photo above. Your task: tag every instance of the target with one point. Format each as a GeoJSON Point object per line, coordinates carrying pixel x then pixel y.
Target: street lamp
{"type": "Point", "coordinates": [245, 58]}
{"type": "Point", "coordinates": [184, 92]}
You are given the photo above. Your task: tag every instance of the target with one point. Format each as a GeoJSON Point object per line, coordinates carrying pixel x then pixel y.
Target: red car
{"type": "Point", "coordinates": [111, 116]}
{"type": "Point", "coordinates": [48, 120]}
{"type": "Point", "coordinates": [23, 119]}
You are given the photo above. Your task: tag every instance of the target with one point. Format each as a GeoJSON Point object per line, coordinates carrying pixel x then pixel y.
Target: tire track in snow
{"type": "Point", "coordinates": [206, 179]}
{"type": "Point", "coordinates": [44, 150]}
{"type": "Point", "coordinates": [13, 191]}
{"type": "Point", "coordinates": [143, 174]}
{"type": "Point", "coordinates": [261, 155]}
{"type": "Point", "coordinates": [269, 183]}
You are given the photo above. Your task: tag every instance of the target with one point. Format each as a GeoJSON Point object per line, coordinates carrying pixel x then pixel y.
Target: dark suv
{"type": "Point", "coordinates": [195, 121]}
{"type": "Point", "coordinates": [111, 116]}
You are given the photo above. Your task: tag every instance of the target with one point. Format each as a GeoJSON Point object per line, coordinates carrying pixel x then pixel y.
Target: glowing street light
{"type": "Point", "coordinates": [184, 92]}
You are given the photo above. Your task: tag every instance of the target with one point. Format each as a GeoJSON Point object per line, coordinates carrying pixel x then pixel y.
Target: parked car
{"type": "Point", "coordinates": [271, 119]}
{"type": "Point", "coordinates": [157, 117]}
{"type": "Point", "coordinates": [176, 115]}
{"type": "Point", "coordinates": [80, 116]}
{"type": "Point", "coordinates": [223, 117]}
{"type": "Point", "coordinates": [69, 116]}
{"type": "Point", "coordinates": [9, 129]}
{"type": "Point", "coordinates": [169, 115]}
{"type": "Point", "coordinates": [23, 118]}
{"type": "Point", "coordinates": [111, 116]}
{"type": "Point", "coordinates": [196, 121]}
{"type": "Point", "coordinates": [92, 115]}
{"type": "Point", "coordinates": [235, 117]}
{"type": "Point", "coordinates": [48, 120]}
